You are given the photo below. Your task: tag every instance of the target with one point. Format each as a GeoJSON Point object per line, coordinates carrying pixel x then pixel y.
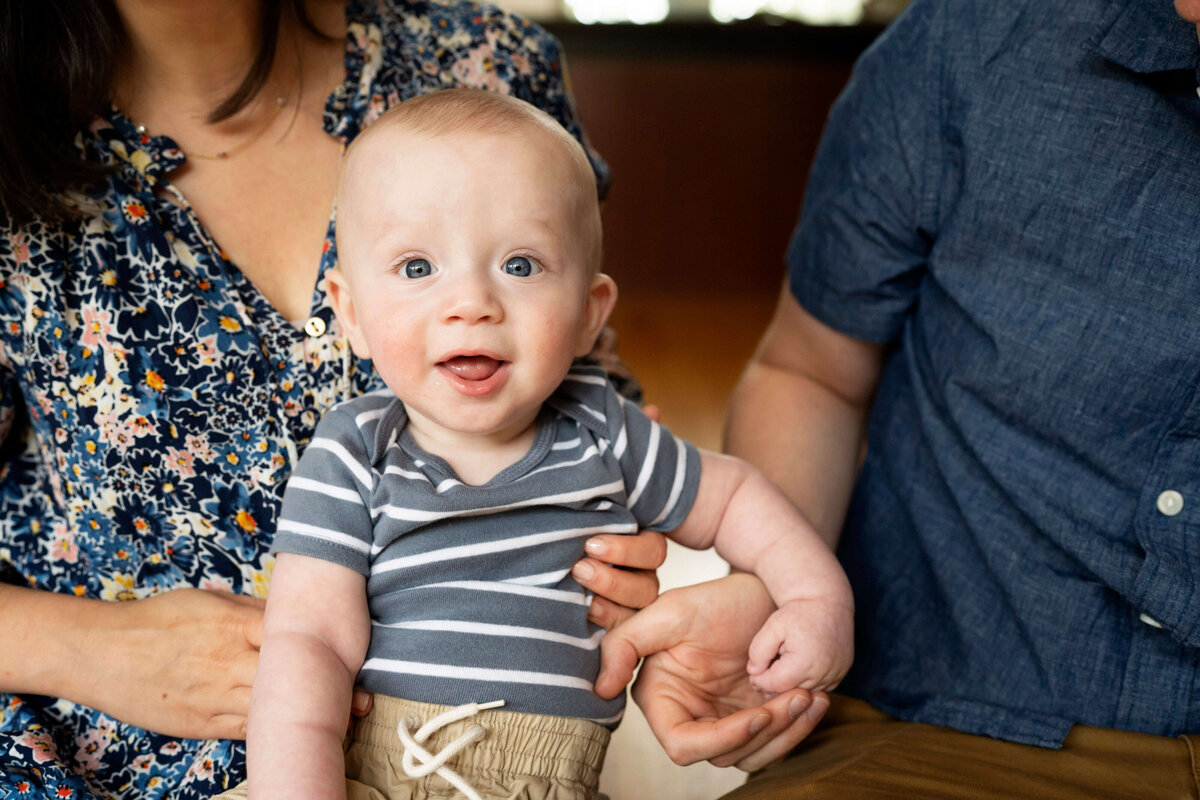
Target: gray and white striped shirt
{"type": "Point", "coordinates": [469, 587]}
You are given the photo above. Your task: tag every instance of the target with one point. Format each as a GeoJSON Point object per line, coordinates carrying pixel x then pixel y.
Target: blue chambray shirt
{"type": "Point", "coordinates": [1009, 195]}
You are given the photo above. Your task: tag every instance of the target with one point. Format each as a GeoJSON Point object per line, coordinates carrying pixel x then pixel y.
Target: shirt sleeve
{"type": "Point", "coordinates": [326, 505]}
{"type": "Point", "coordinates": [859, 253]}
{"type": "Point", "coordinates": [661, 471]}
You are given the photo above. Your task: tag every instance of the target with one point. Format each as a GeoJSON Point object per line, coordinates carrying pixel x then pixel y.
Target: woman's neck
{"type": "Point", "coordinates": [191, 53]}
{"type": "Point", "coordinates": [184, 58]}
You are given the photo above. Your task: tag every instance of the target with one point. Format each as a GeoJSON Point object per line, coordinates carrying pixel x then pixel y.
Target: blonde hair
{"type": "Point", "coordinates": [479, 111]}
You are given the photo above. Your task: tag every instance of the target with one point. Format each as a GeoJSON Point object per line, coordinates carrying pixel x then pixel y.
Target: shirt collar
{"type": "Point", "coordinates": [1146, 37]}
{"type": "Point", "coordinates": [114, 137]}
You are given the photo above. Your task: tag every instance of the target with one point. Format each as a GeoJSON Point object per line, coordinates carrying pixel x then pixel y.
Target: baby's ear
{"type": "Point", "coordinates": [343, 305]}
{"type": "Point", "coordinates": [602, 296]}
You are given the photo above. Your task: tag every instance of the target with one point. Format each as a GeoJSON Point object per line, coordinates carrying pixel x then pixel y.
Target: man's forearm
{"type": "Point", "coordinates": [802, 436]}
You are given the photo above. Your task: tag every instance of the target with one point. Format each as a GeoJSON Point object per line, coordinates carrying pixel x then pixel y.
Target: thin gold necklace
{"type": "Point", "coordinates": [222, 155]}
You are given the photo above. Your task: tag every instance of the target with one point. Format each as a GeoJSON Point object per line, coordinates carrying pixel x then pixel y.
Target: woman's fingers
{"type": "Point", "coordinates": [361, 702]}
{"type": "Point", "coordinates": [228, 726]}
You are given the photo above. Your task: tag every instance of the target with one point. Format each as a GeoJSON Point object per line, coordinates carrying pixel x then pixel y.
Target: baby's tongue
{"type": "Point", "coordinates": [473, 368]}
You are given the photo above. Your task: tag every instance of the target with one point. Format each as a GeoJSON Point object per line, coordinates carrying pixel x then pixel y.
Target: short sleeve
{"type": "Point", "coordinates": [326, 504]}
{"type": "Point", "coordinates": [661, 471]}
{"type": "Point", "coordinates": [859, 252]}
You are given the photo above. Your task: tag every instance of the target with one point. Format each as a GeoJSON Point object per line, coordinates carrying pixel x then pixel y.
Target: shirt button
{"type": "Point", "coordinates": [1149, 620]}
{"type": "Point", "coordinates": [316, 327]}
{"type": "Point", "coordinates": [1170, 502]}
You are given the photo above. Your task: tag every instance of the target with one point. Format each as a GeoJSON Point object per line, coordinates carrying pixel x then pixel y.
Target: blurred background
{"type": "Point", "coordinates": [708, 112]}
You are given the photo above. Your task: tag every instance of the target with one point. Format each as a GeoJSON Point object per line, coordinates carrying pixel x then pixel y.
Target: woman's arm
{"type": "Point", "coordinates": [314, 640]}
{"type": "Point", "coordinates": [180, 663]}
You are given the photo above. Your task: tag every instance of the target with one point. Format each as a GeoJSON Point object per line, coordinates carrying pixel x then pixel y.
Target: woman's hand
{"type": "Point", "coordinates": [620, 571]}
{"type": "Point", "coordinates": [180, 663]}
{"type": "Point", "coordinates": [693, 687]}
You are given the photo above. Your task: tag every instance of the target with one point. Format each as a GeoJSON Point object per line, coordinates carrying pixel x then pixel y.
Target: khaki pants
{"type": "Point", "coordinates": [523, 757]}
{"type": "Point", "coordinates": [860, 753]}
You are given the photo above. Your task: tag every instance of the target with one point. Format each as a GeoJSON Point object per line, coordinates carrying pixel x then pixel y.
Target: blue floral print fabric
{"type": "Point", "coordinates": [152, 402]}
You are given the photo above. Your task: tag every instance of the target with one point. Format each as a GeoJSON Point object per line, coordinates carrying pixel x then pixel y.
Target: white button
{"type": "Point", "coordinates": [1198, 90]}
{"type": "Point", "coordinates": [316, 327]}
{"type": "Point", "coordinates": [1170, 502]}
{"type": "Point", "coordinates": [1149, 620]}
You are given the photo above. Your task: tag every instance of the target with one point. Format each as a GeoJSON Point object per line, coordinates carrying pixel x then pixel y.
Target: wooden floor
{"type": "Point", "coordinates": [688, 351]}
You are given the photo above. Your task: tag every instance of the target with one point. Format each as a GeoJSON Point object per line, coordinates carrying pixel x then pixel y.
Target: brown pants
{"type": "Point", "coordinates": [859, 753]}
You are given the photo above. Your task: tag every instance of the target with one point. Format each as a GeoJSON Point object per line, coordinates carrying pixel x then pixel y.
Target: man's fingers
{"type": "Point", "coordinates": [649, 631]}
{"type": "Point", "coordinates": [687, 740]}
{"type": "Point", "coordinates": [783, 713]}
{"type": "Point", "coordinates": [631, 588]}
{"type": "Point", "coordinates": [618, 659]}
{"type": "Point", "coordinates": [607, 614]}
{"type": "Point", "coordinates": [783, 743]}
{"type": "Point", "coordinates": [647, 550]}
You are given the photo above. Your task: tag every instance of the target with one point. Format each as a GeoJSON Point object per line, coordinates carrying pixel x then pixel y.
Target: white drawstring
{"type": "Point", "coordinates": [430, 763]}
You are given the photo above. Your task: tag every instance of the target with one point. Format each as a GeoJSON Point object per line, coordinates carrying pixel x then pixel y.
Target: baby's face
{"type": "Point", "coordinates": [465, 275]}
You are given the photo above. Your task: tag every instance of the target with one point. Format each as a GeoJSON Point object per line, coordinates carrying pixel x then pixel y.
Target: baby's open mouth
{"type": "Point", "coordinates": [473, 368]}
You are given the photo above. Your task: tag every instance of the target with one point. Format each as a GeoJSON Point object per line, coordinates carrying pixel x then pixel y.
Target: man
{"type": "Point", "coordinates": [995, 278]}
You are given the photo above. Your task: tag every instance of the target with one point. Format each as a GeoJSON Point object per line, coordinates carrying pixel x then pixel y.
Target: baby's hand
{"type": "Point", "coordinates": [806, 643]}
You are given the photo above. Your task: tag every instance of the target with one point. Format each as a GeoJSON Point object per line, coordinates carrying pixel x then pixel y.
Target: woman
{"type": "Point", "coordinates": [156, 386]}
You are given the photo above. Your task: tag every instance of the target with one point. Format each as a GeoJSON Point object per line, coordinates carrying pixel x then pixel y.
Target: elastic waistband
{"type": "Point", "coordinates": [560, 748]}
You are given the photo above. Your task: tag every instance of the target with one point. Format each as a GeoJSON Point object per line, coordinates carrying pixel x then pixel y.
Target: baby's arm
{"type": "Point", "coordinates": [315, 637]}
{"type": "Point", "coordinates": [756, 528]}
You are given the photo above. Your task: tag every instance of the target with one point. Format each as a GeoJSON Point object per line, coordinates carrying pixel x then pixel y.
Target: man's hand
{"type": "Point", "coordinates": [621, 572]}
{"type": "Point", "coordinates": [693, 687]}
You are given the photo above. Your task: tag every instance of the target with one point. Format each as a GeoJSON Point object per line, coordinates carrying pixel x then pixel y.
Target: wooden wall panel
{"type": "Point", "coordinates": [709, 157]}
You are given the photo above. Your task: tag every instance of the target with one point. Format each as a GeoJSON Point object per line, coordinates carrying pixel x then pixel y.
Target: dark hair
{"type": "Point", "coordinates": [57, 63]}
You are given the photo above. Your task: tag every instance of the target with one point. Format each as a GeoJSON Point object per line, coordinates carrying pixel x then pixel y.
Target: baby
{"type": "Point", "coordinates": [428, 531]}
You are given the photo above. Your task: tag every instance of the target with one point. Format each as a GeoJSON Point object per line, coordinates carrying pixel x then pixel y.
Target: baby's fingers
{"type": "Point", "coordinates": [766, 645]}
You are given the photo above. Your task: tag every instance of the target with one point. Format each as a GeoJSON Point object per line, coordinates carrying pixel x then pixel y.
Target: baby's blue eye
{"type": "Point", "coordinates": [521, 267]}
{"type": "Point", "coordinates": [418, 268]}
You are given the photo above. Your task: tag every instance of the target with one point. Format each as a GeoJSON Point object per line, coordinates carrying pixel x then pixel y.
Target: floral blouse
{"type": "Point", "coordinates": [152, 402]}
